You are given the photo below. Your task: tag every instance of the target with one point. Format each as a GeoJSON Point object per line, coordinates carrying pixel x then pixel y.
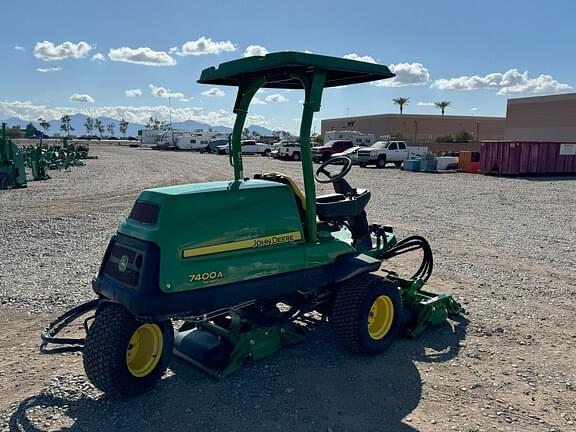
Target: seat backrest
{"type": "Point", "coordinates": [284, 179]}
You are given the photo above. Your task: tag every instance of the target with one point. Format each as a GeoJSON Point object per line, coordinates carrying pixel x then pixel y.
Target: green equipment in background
{"type": "Point", "coordinates": [40, 158]}
{"type": "Point", "coordinates": [12, 170]}
{"type": "Point", "coordinates": [243, 264]}
{"type": "Point", "coordinates": [37, 163]}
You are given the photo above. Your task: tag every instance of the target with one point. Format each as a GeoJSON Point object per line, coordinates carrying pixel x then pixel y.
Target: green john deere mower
{"type": "Point", "coordinates": [12, 169]}
{"type": "Point", "coordinates": [238, 263]}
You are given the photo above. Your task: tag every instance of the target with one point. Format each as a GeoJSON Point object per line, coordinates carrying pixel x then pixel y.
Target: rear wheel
{"type": "Point", "coordinates": [398, 164]}
{"type": "Point", "coordinates": [381, 162]}
{"type": "Point", "coordinates": [366, 314]}
{"type": "Point", "coordinates": [266, 152]}
{"type": "Point", "coordinates": [362, 165]}
{"type": "Point", "coordinates": [125, 357]}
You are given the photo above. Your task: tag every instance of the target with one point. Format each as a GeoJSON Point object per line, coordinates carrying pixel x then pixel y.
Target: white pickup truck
{"type": "Point", "coordinates": [248, 147]}
{"type": "Point", "coordinates": [382, 152]}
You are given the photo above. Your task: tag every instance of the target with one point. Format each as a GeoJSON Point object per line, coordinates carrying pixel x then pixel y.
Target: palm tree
{"type": "Point", "coordinates": [442, 105]}
{"type": "Point", "coordinates": [65, 126]}
{"type": "Point", "coordinates": [123, 126]}
{"type": "Point", "coordinates": [401, 101]}
{"type": "Point", "coordinates": [89, 125]}
{"type": "Point", "coordinates": [99, 126]}
{"type": "Point", "coordinates": [44, 124]}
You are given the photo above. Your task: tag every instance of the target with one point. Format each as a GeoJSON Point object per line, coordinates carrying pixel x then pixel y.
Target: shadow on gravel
{"type": "Point", "coordinates": [312, 386]}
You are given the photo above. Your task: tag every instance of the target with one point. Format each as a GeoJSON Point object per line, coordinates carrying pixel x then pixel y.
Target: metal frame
{"type": "Point", "coordinates": [313, 88]}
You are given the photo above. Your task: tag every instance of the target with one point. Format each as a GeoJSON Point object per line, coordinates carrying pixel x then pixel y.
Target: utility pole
{"type": "Point", "coordinates": [170, 118]}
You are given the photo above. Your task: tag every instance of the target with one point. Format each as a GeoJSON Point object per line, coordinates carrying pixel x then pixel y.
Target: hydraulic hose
{"type": "Point", "coordinates": [410, 244]}
{"type": "Point", "coordinates": [48, 336]}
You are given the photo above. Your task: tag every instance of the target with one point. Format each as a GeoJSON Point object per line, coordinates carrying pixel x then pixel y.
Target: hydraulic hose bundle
{"type": "Point", "coordinates": [410, 244]}
{"type": "Point", "coordinates": [69, 344]}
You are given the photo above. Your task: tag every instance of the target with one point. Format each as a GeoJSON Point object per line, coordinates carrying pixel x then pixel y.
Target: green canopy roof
{"type": "Point", "coordinates": [276, 67]}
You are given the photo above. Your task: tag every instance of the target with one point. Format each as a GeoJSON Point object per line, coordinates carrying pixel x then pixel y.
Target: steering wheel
{"type": "Point", "coordinates": [332, 178]}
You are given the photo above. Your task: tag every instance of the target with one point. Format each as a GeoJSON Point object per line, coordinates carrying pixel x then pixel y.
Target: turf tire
{"type": "Point", "coordinates": [105, 352]}
{"type": "Point", "coordinates": [349, 317]}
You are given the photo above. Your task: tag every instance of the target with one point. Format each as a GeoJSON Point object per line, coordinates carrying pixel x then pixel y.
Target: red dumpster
{"type": "Point", "coordinates": [527, 157]}
{"type": "Point", "coordinates": [469, 161]}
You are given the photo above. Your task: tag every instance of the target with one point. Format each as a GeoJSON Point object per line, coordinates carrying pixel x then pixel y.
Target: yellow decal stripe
{"type": "Point", "coordinates": [258, 242]}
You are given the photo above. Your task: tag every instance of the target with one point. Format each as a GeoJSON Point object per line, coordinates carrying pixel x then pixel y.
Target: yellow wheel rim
{"type": "Point", "coordinates": [144, 350]}
{"type": "Point", "coordinates": [380, 317]}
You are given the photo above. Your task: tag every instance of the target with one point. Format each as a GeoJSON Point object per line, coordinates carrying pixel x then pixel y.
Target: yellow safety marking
{"type": "Point", "coordinates": [258, 242]}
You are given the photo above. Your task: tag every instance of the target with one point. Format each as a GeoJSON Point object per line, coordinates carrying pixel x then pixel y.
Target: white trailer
{"type": "Point", "coordinates": [149, 137]}
{"type": "Point", "coordinates": [358, 138]}
{"type": "Point", "coordinates": [198, 140]}
{"type": "Point", "coordinates": [192, 142]}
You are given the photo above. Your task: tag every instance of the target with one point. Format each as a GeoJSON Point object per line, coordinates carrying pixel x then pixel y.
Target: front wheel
{"type": "Point", "coordinates": [296, 156]}
{"type": "Point", "coordinates": [381, 162]}
{"type": "Point", "coordinates": [123, 356]}
{"type": "Point", "coordinates": [367, 314]}
{"type": "Point", "coordinates": [267, 153]}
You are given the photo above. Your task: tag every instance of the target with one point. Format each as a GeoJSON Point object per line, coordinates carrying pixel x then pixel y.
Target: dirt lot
{"type": "Point", "coordinates": [506, 248]}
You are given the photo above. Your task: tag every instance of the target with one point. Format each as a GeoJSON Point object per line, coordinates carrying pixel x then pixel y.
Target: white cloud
{"type": "Point", "coordinates": [143, 55]}
{"type": "Point", "coordinates": [257, 119]}
{"type": "Point", "coordinates": [19, 48]}
{"type": "Point", "coordinates": [277, 98]}
{"type": "Point", "coordinates": [133, 92]}
{"type": "Point", "coordinates": [511, 82]}
{"type": "Point", "coordinates": [47, 51]}
{"type": "Point", "coordinates": [214, 91]}
{"type": "Point", "coordinates": [474, 109]}
{"type": "Point", "coordinates": [354, 56]}
{"type": "Point", "coordinates": [202, 46]}
{"type": "Point", "coordinates": [51, 69]}
{"type": "Point", "coordinates": [257, 101]}
{"type": "Point", "coordinates": [164, 92]}
{"type": "Point", "coordinates": [98, 57]}
{"type": "Point", "coordinates": [185, 99]}
{"type": "Point", "coordinates": [406, 74]}
{"type": "Point", "coordinates": [255, 50]}
{"type": "Point", "coordinates": [426, 104]}
{"type": "Point", "coordinates": [28, 111]}
{"type": "Point", "coordinates": [77, 97]}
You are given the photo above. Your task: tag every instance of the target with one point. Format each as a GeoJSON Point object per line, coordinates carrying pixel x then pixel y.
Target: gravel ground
{"type": "Point", "coordinates": [506, 248]}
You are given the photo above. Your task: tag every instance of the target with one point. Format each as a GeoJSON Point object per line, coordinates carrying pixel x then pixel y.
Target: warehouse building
{"type": "Point", "coordinates": [420, 129]}
{"type": "Point", "coordinates": [542, 118]}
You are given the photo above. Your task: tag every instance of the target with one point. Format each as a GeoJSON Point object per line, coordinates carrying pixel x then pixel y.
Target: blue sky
{"type": "Point", "coordinates": [475, 54]}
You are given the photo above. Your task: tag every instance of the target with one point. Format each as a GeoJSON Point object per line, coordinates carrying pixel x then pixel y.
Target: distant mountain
{"type": "Point", "coordinates": [13, 121]}
{"type": "Point", "coordinates": [260, 130]}
{"type": "Point", "coordinates": [77, 122]}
